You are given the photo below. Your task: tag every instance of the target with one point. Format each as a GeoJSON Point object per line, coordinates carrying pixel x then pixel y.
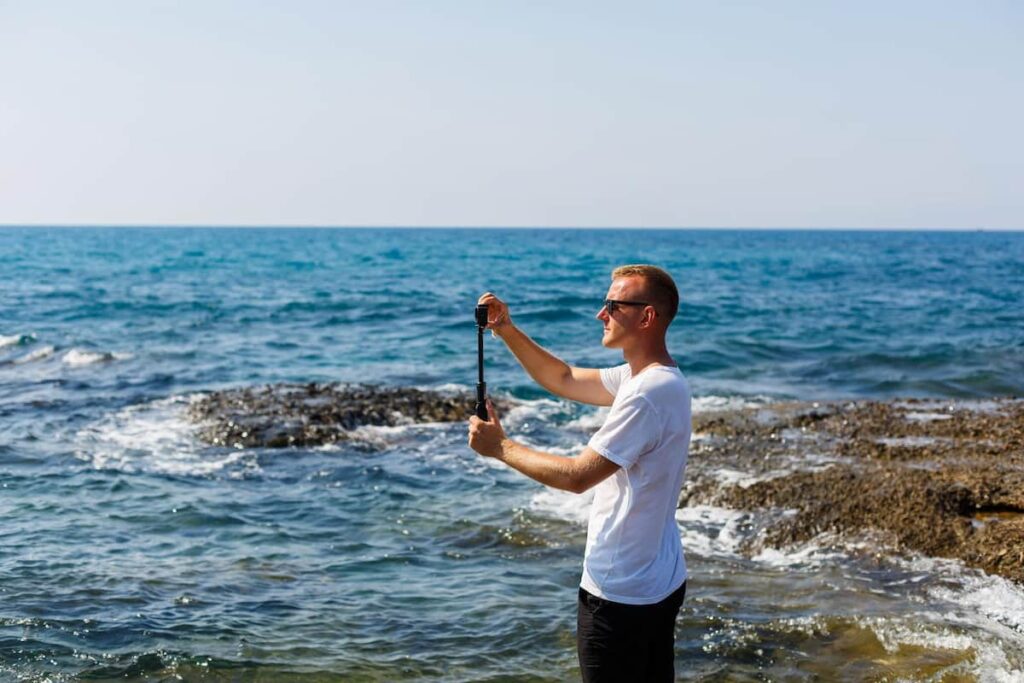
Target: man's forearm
{"type": "Point", "coordinates": [551, 470]}
{"type": "Point", "coordinates": [546, 369]}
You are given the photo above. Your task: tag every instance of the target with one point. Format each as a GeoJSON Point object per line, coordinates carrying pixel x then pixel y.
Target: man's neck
{"type": "Point", "coordinates": [641, 358]}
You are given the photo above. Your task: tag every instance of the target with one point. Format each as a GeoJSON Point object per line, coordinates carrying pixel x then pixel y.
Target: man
{"type": "Point", "coordinates": [634, 573]}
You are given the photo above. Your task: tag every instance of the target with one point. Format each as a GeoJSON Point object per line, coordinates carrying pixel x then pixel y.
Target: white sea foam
{"type": "Point", "coordinates": [715, 532]}
{"type": "Point", "coordinates": [817, 552]}
{"type": "Point", "coordinates": [590, 421]}
{"type": "Point", "coordinates": [997, 598]}
{"type": "Point", "coordinates": [813, 462]}
{"type": "Point", "coordinates": [935, 407]}
{"type": "Point", "coordinates": [744, 480]}
{"type": "Point", "coordinates": [802, 462]}
{"type": "Point", "coordinates": [923, 405]}
{"type": "Point", "coordinates": [79, 357]}
{"type": "Point", "coordinates": [15, 339]}
{"type": "Point", "coordinates": [985, 406]}
{"type": "Point", "coordinates": [937, 631]}
{"type": "Point", "coordinates": [563, 505]}
{"type": "Point", "coordinates": [910, 441]}
{"type": "Point", "coordinates": [32, 356]}
{"type": "Point", "coordinates": [568, 448]}
{"type": "Point", "coordinates": [731, 477]}
{"type": "Point", "coordinates": [928, 417]}
{"type": "Point", "coordinates": [542, 409]}
{"type": "Point", "coordinates": [985, 595]}
{"type": "Point", "coordinates": [711, 531]}
{"type": "Point", "coordinates": [987, 612]}
{"type": "Point", "coordinates": [710, 404]}
{"type": "Point", "coordinates": [156, 437]}
{"type": "Point", "coordinates": [449, 388]}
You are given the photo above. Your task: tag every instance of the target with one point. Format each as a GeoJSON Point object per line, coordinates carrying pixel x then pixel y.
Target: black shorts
{"type": "Point", "coordinates": [617, 642]}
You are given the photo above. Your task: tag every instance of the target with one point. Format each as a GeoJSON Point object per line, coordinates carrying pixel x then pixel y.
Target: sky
{"type": "Point", "coordinates": [488, 113]}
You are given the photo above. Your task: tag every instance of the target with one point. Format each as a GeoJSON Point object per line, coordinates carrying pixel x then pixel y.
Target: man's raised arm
{"type": "Point", "coordinates": [552, 373]}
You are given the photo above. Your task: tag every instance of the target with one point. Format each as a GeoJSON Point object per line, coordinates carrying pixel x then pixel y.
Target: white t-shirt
{"type": "Point", "coordinates": [634, 554]}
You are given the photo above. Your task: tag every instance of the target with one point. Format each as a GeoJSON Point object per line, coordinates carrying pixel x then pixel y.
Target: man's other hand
{"type": "Point", "coordinates": [498, 318]}
{"type": "Point", "coordinates": [485, 436]}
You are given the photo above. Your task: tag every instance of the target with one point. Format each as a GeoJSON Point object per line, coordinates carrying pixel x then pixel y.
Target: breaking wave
{"type": "Point", "coordinates": [157, 437]}
{"type": "Point", "coordinates": [80, 357]}
{"type": "Point", "coordinates": [33, 356]}
{"type": "Point", "coordinates": [16, 340]}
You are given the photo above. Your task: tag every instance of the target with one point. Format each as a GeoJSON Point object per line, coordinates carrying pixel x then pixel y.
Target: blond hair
{"type": "Point", "coordinates": [658, 286]}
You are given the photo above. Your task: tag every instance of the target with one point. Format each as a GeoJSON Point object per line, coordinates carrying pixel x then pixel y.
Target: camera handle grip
{"type": "Point", "coordinates": [481, 386]}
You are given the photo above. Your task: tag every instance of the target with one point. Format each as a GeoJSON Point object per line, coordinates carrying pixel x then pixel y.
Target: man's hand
{"type": "Point", "coordinates": [552, 373]}
{"type": "Point", "coordinates": [485, 437]}
{"type": "Point", "coordinates": [498, 318]}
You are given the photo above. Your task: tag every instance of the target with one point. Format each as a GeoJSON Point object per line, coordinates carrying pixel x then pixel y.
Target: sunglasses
{"type": "Point", "coordinates": [612, 305]}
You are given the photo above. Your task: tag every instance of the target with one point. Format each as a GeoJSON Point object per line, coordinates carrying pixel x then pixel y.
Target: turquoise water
{"type": "Point", "coordinates": [129, 550]}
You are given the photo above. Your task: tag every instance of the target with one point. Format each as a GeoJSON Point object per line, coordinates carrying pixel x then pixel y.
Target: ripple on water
{"type": "Point", "coordinates": [210, 564]}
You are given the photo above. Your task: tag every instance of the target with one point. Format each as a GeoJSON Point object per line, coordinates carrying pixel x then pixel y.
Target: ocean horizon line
{"type": "Point", "coordinates": [271, 226]}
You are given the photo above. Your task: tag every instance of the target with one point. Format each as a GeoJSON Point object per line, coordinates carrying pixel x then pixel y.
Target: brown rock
{"type": "Point", "coordinates": [282, 415]}
{"type": "Point", "coordinates": [941, 478]}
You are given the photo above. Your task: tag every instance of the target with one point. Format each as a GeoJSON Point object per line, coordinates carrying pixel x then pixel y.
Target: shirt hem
{"type": "Point", "coordinates": [592, 588]}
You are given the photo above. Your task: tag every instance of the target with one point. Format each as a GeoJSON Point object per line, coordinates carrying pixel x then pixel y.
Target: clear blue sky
{"type": "Point", "coordinates": [702, 114]}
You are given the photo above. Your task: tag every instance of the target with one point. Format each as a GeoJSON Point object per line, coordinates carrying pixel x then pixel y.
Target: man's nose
{"type": "Point", "coordinates": [602, 314]}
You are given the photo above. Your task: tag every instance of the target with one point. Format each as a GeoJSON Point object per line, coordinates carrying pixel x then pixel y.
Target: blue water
{"type": "Point", "coordinates": [128, 549]}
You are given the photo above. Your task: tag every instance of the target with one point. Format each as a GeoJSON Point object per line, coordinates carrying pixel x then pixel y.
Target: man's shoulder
{"type": "Point", "coordinates": [614, 377]}
{"type": "Point", "coordinates": [660, 385]}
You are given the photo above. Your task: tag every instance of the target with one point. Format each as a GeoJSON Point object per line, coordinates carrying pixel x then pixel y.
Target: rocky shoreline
{"type": "Point", "coordinates": [941, 478]}
{"type": "Point", "coordinates": [283, 415]}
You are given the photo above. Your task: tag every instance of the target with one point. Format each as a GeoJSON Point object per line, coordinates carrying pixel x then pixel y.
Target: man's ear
{"type": "Point", "coordinates": [648, 318]}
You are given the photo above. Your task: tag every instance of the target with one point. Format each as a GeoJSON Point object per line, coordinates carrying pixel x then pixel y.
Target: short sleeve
{"type": "Point", "coordinates": [632, 429]}
{"type": "Point", "coordinates": [612, 378]}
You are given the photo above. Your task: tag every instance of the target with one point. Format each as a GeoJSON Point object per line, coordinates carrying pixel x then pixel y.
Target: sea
{"type": "Point", "coordinates": [129, 550]}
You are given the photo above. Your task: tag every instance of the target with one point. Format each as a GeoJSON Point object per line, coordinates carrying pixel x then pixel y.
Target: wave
{"type": "Point", "coordinates": [986, 599]}
{"type": "Point", "coordinates": [974, 612]}
{"type": "Point", "coordinates": [590, 421]}
{"type": "Point", "coordinates": [79, 357]}
{"type": "Point", "coordinates": [157, 437]}
{"type": "Point", "coordinates": [539, 409]}
{"type": "Point", "coordinates": [923, 645]}
{"type": "Point", "coordinates": [710, 531]}
{"type": "Point", "coordinates": [573, 507]}
{"type": "Point", "coordinates": [924, 410]}
{"type": "Point", "coordinates": [712, 403]}
{"type": "Point", "coordinates": [16, 340]}
{"type": "Point", "coordinates": [32, 356]}
{"type": "Point", "coordinates": [984, 657]}
{"type": "Point", "coordinates": [963, 611]}
{"type": "Point", "coordinates": [447, 388]}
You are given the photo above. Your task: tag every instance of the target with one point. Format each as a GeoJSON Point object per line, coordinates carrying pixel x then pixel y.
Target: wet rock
{"type": "Point", "coordinates": [942, 478]}
{"type": "Point", "coordinates": [282, 415]}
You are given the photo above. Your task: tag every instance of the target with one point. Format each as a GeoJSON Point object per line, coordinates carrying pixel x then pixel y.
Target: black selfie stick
{"type": "Point", "coordinates": [481, 385]}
